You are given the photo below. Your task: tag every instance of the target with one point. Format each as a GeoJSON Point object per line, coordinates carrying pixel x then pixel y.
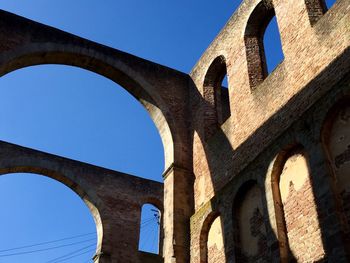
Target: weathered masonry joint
{"type": "Point", "coordinates": [255, 172]}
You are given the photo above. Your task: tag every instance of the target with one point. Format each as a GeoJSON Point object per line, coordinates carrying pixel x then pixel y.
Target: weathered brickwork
{"type": "Point", "coordinates": [300, 213]}
{"type": "Point", "coordinates": [285, 135]}
{"type": "Point", "coordinates": [251, 243]}
{"type": "Point", "coordinates": [215, 243]}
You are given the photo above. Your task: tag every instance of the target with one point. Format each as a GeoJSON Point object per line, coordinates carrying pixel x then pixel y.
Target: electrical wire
{"type": "Point", "coordinates": [47, 242]}
{"type": "Point", "coordinates": [45, 249]}
{"type": "Point", "coordinates": [91, 250]}
{"type": "Point", "coordinates": [70, 253]}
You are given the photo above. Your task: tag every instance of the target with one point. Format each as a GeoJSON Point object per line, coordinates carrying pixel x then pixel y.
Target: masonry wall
{"type": "Point", "coordinates": [263, 180]}
{"type": "Point", "coordinates": [313, 63]}
{"type": "Point", "coordinates": [299, 209]}
{"type": "Point", "coordinates": [305, 218]}
{"type": "Point", "coordinates": [115, 199]}
{"type": "Point", "coordinates": [304, 210]}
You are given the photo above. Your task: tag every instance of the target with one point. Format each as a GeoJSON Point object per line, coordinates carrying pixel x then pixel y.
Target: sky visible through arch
{"type": "Point", "coordinates": [83, 116]}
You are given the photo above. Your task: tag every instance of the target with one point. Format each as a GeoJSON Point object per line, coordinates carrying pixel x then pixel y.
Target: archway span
{"type": "Point", "coordinates": [115, 70]}
{"type": "Point", "coordinates": [88, 198]}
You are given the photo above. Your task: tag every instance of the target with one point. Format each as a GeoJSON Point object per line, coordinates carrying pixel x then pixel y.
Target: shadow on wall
{"type": "Point", "coordinates": [257, 208]}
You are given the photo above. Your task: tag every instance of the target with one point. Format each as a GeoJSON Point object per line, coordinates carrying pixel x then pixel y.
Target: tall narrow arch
{"type": "Point", "coordinates": [211, 240]}
{"type": "Point", "coordinates": [295, 207]}
{"type": "Point", "coordinates": [254, 41]}
{"type": "Point", "coordinates": [216, 96]}
{"type": "Point", "coordinates": [151, 229]}
{"type": "Point", "coordinates": [250, 232]}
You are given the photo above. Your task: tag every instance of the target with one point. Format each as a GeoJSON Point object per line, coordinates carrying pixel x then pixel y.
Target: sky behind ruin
{"type": "Point", "coordinates": [77, 114]}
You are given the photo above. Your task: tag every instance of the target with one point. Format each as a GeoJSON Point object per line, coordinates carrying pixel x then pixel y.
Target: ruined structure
{"type": "Point", "coordinates": [258, 172]}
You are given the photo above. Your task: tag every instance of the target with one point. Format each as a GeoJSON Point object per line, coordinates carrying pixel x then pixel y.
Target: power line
{"type": "Point", "coordinates": [45, 249]}
{"type": "Point", "coordinates": [47, 242]}
{"type": "Point", "coordinates": [153, 220]}
{"type": "Point", "coordinates": [69, 254]}
{"type": "Point", "coordinates": [75, 256]}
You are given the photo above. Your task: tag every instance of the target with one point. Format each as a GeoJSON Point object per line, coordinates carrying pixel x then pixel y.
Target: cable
{"type": "Point", "coordinates": [70, 253]}
{"type": "Point", "coordinates": [45, 249]}
{"type": "Point", "coordinates": [48, 242]}
{"type": "Point", "coordinates": [148, 220]}
{"type": "Point", "coordinates": [91, 250]}
{"type": "Point", "coordinates": [148, 223]}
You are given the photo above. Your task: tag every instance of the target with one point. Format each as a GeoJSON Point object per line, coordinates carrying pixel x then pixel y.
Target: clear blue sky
{"type": "Point", "coordinates": [78, 114]}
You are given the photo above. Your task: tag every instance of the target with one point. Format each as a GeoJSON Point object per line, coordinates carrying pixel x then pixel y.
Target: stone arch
{"type": "Point", "coordinates": [335, 138]}
{"type": "Point", "coordinates": [204, 236]}
{"type": "Point", "coordinates": [253, 39]}
{"type": "Point", "coordinates": [295, 206]}
{"type": "Point", "coordinates": [249, 224]}
{"type": "Point", "coordinates": [89, 198]}
{"type": "Point", "coordinates": [155, 231]}
{"type": "Point", "coordinates": [216, 97]}
{"type": "Point", "coordinates": [159, 205]}
{"type": "Point", "coordinates": [94, 60]}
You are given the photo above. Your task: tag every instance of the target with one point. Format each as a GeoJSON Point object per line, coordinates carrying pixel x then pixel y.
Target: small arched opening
{"type": "Point", "coordinates": [216, 95]}
{"type": "Point", "coordinates": [150, 229]}
{"type": "Point", "coordinates": [261, 19]}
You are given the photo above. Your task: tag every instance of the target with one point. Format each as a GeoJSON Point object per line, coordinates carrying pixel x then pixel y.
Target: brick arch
{"type": "Point", "coordinates": [295, 208]}
{"type": "Point", "coordinates": [92, 202]}
{"type": "Point", "coordinates": [157, 204]}
{"type": "Point", "coordinates": [203, 238]}
{"type": "Point", "coordinates": [117, 71]}
{"type": "Point", "coordinates": [216, 98]}
{"type": "Point", "coordinates": [253, 38]}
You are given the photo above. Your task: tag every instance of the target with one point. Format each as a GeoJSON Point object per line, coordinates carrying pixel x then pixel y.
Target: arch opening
{"type": "Point", "coordinates": [216, 95]}
{"type": "Point", "coordinates": [78, 114]}
{"type": "Point", "coordinates": [272, 46]}
{"type": "Point", "coordinates": [150, 229]}
{"type": "Point", "coordinates": [295, 207]}
{"type": "Point", "coordinates": [66, 115]}
{"type": "Point", "coordinates": [118, 72]}
{"type": "Point", "coordinates": [211, 240]}
{"type": "Point", "coordinates": [260, 19]}
{"type": "Point", "coordinates": [71, 231]}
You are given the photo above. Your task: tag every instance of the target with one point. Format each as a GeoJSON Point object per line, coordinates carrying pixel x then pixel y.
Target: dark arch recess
{"type": "Point", "coordinates": [325, 135]}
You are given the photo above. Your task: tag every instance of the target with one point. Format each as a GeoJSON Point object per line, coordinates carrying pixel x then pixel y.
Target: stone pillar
{"type": "Point", "coordinates": [178, 208]}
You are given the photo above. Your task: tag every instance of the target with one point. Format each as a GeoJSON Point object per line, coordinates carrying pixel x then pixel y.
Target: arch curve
{"type": "Point", "coordinates": [90, 200]}
{"type": "Point", "coordinates": [203, 239]}
{"type": "Point", "coordinates": [112, 66]}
